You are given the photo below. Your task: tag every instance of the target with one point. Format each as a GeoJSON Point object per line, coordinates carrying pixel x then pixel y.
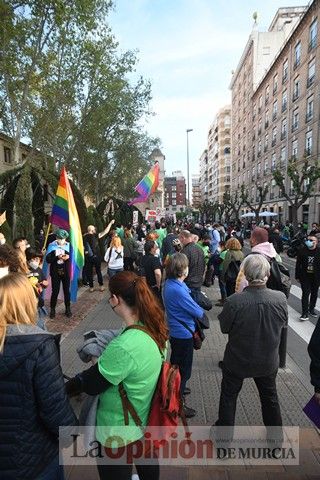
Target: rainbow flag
{"type": "Point", "coordinates": [147, 185]}
{"type": "Point", "coordinates": [64, 215]}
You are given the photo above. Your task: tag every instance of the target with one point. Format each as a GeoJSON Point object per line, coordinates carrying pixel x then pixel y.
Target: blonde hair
{"type": "Point", "coordinates": [115, 242]}
{"type": "Point", "coordinates": [23, 266]}
{"type": "Point", "coordinates": [233, 244]}
{"type": "Point", "coordinates": [18, 303]}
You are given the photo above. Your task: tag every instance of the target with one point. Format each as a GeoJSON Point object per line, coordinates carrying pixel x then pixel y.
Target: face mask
{"type": "Point", "coordinates": [27, 245]}
{"type": "Point", "coordinates": [143, 229]}
{"type": "Point", "coordinates": [34, 265]}
{"type": "Point", "coordinates": [2, 241]}
{"type": "Point", "coordinates": [61, 241]}
{"type": "Point", "coordinates": [4, 271]}
{"type": "Point", "coordinates": [309, 243]}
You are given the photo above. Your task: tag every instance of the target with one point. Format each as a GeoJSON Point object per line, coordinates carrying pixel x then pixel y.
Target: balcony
{"type": "Point", "coordinates": [309, 116]}
{"type": "Point", "coordinates": [274, 115]}
{"type": "Point", "coordinates": [259, 153]}
{"type": "Point", "coordinates": [312, 43]}
{"type": "Point", "coordinates": [283, 135]}
{"type": "Point", "coordinates": [266, 124]}
{"type": "Point", "coordinates": [284, 107]}
{"type": "Point", "coordinates": [273, 167]}
{"type": "Point", "coordinates": [295, 96]}
{"type": "Point", "coordinates": [274, 141]}
{"type": "Point", "coordinates": [253, 158]}
{"type": "Point", "coordinates": [285, 78]}
{"type": "Point", "coordinates": [259, 110]}
{"type": "Point", "coordinates": [275, 89]}
{"type": "Point", "coordinates": [253, 137]}
{"type": "Point", "coordinates": [310, 81]}
{"type": "Point", "coordinates": [294, 127]}
{"type": "Point", "coordinates": [308, 151]}
{"type": "Point", "coordinates": [296, 63]}
{"type": "Point", "coordinates": [266, 100]}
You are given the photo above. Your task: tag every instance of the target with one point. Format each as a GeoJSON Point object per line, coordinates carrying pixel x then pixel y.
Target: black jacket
{"type": "Point", "coordinates": [314, 353]}
{"type": "Point", "coordinates": [302, 263]}
{"type": "Point", "coordinates": [33, 402]}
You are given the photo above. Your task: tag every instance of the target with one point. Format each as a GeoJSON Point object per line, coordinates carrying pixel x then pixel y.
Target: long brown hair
{"type": "Point", "coordinates": [135, 292]}
{"type": "Point", "coordinates": [18, 304]}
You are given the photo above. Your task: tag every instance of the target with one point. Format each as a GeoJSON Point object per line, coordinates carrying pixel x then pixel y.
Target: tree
{"type": "Point", "coordinates": [303, 178]}
{"type": "Point", "coordinates": [208, 210]}
{"type": "Point", "coordinates": [232, 203]}
{"type": "Point", "coordinates": [255, 206]}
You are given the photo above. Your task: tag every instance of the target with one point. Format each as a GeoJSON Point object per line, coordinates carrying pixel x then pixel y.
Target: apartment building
{"type": "Point", "coordinates": [282, 114]}
{"type": "Point", "coordinates": [286, 115]}
{"type": "Point", "coordinates": [218, 156]}
{"type": "Point", "coordinates": [203, 177]}
{"type": "Point", "coordinates": [175, 193]}
{"type": "Point", "coordinates": [196, 192]}
{"type": "Point", "coordinates": [259, 53]}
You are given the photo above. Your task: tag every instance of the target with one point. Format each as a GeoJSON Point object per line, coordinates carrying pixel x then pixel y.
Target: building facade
{"type": "Point", "coordinates": [196, 192]}
{"type": "Point", "coordinates": [276, 118]}
{"type": "Point", "coordinates": [203, 177]}
{"type": "Point", "coordinates": [175, 193]}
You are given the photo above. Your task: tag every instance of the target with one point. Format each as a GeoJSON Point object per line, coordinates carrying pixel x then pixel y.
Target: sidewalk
{"type": "Point", "coordinates": [294, 391]}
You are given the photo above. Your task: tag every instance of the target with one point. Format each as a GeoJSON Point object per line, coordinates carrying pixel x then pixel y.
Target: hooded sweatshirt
{"type": "Point", "coordinates": [267, 249]}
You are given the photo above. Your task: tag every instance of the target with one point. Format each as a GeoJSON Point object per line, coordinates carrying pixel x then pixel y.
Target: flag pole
{"type": "Point", "coordinates": [46, 239]}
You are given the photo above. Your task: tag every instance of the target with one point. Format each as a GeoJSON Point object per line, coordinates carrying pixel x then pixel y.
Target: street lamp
{"type": "Point", "coordinates": [188, 182]}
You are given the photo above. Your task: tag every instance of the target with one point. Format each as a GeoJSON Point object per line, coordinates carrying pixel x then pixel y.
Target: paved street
{"type": "Point", "coordinates": [293, 387]}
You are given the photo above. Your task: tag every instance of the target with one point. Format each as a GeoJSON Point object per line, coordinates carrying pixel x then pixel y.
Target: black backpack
{"type": "Point", "coordinates": [232, 271]}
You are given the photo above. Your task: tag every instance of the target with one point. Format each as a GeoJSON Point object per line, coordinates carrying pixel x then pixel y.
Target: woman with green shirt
{"type": "Point", "coordinates": [133, 358]}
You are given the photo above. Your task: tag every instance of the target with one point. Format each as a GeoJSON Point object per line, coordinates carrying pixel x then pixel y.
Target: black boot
{"type": "Point", "coordinates": [52, 313]}
{"type": "Point", "coordinates": [189, 412]}
{"type": "Point", "coordinates": [68, 312]}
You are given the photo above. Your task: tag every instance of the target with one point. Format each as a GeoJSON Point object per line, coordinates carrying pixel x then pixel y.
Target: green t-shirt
{"type": "Point", "coordinates": [162, 232]}
{"type": "Point", "coordinates": [134, 359]}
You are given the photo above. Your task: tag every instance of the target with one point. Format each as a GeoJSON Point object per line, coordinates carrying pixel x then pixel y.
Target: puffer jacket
{"type": "Point", "coordinates": [33, 402]}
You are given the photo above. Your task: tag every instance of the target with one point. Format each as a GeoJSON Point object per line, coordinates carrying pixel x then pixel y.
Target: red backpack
{"type": "Point", "coordinates": [166, 405]}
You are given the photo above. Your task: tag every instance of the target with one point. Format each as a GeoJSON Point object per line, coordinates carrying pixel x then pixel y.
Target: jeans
{"type": "Point", "coordinates": [96, 263]}
{"type": "Point", "coordinates": [309, 287]}
{"type": "Point", "coordinates": [222, 287]}
{"type": "Point", "coordinates": [112, 272]}
{"type": "Point", "coordinates": [230, 388]}
{"type": "Point", "coordinates": [182, 355]}
{"type": "Point", "coordinates": [53, 471]}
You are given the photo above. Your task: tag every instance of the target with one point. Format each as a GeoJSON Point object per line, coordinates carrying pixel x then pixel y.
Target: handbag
{"type": "Point", "coordinates": [198, 335]}
{"type": "Point", "coordinates": [201, 299]}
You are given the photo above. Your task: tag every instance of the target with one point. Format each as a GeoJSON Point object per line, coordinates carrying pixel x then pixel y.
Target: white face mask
{"type": "Point", "coordinates": [2, 241]}
{"type": "Point", "coordinates": [4, 271]}
{"type": "Point", "coordinates": [34, 264]}
{"type": "Point", "coordinates": [61, 241]}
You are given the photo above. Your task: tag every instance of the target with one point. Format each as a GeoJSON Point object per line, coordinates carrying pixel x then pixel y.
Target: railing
{"type": "Point", "coordinates": [294, 127]}
{"type": "Point", "coordinates": [296, 63]}
{"type": "Point", "coordinates": [285, 78]}
{"type": "Point", "coordinates": [295, 96]}
{"type": "Point", "coordinates": [283, 135]}
{"type": "Point", "coordinates": [308, 151]}
{"type": "Point", "coordinates": [265, 148]}
{"type": "Point", "coordinates": [309, 116]}
{"type": "Point", "coordinates": [274, 115]}
{"type": "Point", "coordinates": [266, 124]}
{"type": "Point", "coordinates": [310, 81]}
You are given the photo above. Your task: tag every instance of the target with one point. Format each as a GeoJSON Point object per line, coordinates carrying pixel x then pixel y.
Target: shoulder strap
{"type": "Point", "coordinates": [143, 329]}
{"type": "Point", "coordinates": [110, 252]}
{"type": "Point", "coordinates": [185, 326]}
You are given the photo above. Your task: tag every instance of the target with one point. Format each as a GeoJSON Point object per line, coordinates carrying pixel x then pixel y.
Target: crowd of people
{"type": "Point", "coordinates": [156, 276]}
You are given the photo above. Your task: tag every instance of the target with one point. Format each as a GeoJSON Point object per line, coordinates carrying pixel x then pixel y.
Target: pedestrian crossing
{"type": "Point", "coordinates": [303, 329]}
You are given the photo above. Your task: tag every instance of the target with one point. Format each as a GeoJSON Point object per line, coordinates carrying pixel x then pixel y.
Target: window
{"type": "Point", "coordinates": [283, 128]}
{"type": "Point", "coordinates": [174, 188]}
{"type": "Point", "coordinates": [295, 149]}
{"type": "Point", "coordinates": [285, 71]}
{"type": "Point", "coordinates": [174, 203]}
{"type": "Point", "coordinates": [266, 142]}
{"type": "Point", "coordinates": [313, 32]}
{"type": "Point", "coordinates": [259, 148]}
{"type": "Point", "coordinates": [259, 169]}
{"type": "Point", "coordinates": [174, 195]}
{"type": "Point", "coordinates": [275, 83]}
{"type": "Point", "coordinates": [296, 89]}
{"type": "Point", "coordinates": [254, 111]}
{"type": "Point", "coordinates": [311, 72]}
{"type": "Point", "coordinates": [295, 119]}
{"type": "Point", "coordinates": [297, 55]}
{"type": "Point", "coordinates": [266, 120]}
{"type": "Point", "coordinates": [284, 101]}
{"type": "Point", "coordinates": [273, 162]}
{"type": "Point", "coordinates": [7, 154]}
{"type": "Point", "coordinates": [309, 143]}
{"type": "Point", "coordinates": [310, 104]}
{"type": "Point", "coordinates": [274, 109]}
{"type": "Point", "coordinates": [259, 126]}
{"type": "Point", "coordinates": [265, 167]}
{"type": "Point", "coordinates": [274, 136]}
{"type": "Point", "coordinates": [267, 94]}
{"type": "Point", "coordinates": [283, 156]}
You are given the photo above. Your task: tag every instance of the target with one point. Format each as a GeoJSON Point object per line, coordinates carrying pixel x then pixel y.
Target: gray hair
{"type": "Point", "coordinates": [256, 269]}
{"type": "Point", "coordinates": [177, 265]}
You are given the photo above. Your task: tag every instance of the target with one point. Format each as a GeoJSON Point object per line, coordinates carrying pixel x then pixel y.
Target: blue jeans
{"type": "Point", "coordinates": [53, 471]}
{"type": "Point", "coordinates": [112, 272]}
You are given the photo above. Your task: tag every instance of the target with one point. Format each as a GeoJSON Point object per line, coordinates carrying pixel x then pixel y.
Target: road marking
{"type": "Point", "coordinates": [297, 292]}
{"type": "Point", "coordinates": [303, 328]}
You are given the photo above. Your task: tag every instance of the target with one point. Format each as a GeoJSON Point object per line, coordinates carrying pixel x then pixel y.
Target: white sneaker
{"type": "Point", "coordinates": [303, 318]}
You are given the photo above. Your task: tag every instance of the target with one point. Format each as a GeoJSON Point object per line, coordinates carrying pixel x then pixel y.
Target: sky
{"type": "Point", "coordinates": [188, 49]}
